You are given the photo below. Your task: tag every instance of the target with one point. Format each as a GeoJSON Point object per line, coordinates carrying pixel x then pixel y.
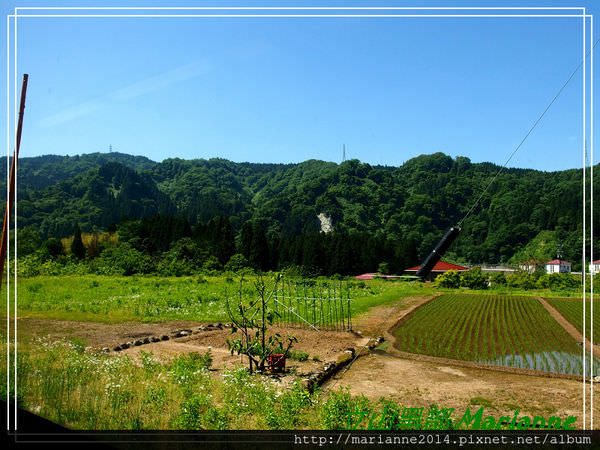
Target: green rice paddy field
{"type": "Point", "coordinates": [572, 310]}
{"type": "Point", "coordinates": [494, 329]}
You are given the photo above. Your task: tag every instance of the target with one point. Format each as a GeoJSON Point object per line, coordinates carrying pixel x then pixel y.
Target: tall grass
{"type": "Point", "coordinates": [65, 382]}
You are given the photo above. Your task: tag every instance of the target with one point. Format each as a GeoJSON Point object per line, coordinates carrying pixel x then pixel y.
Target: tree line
{"type": "Point", "coordinates": [169, 245]}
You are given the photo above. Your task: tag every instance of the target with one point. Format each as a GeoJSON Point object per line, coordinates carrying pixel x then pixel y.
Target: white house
{"type": "Point", "coordinates": [558, 266]}
{"type": "Point", "coordinates": [595, 267]}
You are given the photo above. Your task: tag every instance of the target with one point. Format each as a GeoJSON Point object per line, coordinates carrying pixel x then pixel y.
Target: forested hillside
{"type": "Point", "coordinates": [410, 205]}
{"type": "Point", "coordinates": [44, 171]}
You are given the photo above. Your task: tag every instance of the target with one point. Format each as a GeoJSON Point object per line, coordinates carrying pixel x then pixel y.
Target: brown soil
{"type": "Point", "coordinates": [97, 334]}
{"type": "Point", "coordinates": [419, 384]}
{"type": "Point", "coordinates": [321, 346]}
{"type": "Point", "coordinates": [324, 346]}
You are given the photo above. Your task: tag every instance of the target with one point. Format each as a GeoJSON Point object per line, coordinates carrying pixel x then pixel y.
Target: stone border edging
{"type": "Point", "coordinates": [174, 335]}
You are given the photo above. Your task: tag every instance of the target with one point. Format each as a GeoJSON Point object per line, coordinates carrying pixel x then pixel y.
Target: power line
{"type": "Point", "coordinates": [535, 124]}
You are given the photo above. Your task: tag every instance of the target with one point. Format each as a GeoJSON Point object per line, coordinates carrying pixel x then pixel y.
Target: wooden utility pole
{"type": "Point", "coordinates": [11, 183]}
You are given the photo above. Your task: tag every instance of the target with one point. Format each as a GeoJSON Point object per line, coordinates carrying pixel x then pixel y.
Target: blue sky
{"type": "Point", "coordinates": [291, 89]}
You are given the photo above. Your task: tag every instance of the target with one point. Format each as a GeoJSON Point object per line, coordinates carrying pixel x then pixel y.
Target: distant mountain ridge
{"type": "Point", "coordinates": [39, 172]}
{"type": "Point", "coordinates": [418, 200]}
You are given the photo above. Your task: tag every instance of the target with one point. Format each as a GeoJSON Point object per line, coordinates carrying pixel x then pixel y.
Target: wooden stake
{"type": "Point", "coordinates": [11, 183]}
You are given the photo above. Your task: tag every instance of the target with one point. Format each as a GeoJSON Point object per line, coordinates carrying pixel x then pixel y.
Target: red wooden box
{"type": "Point", "coordinates": [277, 362]}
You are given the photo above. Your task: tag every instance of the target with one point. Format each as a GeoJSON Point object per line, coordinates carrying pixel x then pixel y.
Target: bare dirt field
{"type": "Point", "coordinates": [380, 319]}
{"type": "Point", "coordinates": [321, 347]}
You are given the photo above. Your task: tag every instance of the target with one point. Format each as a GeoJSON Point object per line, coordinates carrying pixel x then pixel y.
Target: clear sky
{"type": "Point", "coordinates": [291, 89]}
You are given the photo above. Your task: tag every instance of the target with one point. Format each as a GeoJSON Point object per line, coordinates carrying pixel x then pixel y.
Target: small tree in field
{"type": "Point", "coordinates": [252, 319]}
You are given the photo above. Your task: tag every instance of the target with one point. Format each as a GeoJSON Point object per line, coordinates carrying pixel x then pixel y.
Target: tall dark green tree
{"type": "Point", "coordinates": [259, 249]}
{"type": "Point", "coordinates": [77, 248]}
{"type": "Point", "coordinates": [224, 239]}
{"type": "Point", "coordinates": [246, 235]}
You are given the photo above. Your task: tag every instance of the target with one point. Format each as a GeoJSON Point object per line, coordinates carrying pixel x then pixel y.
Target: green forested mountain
{"type": "Point", "coordinates": [417, 201]}
{"type": "Point", "coordinates": [94, 199]}
{"type": "Point", "coordinates": [44, 171]}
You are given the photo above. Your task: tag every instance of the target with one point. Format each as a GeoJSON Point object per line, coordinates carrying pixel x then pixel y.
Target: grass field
{"type": "Point", "coordinates": [496, 329]}
{"type": "Point", "coordinates": [153, 299]}
{"type": "Point", "coordinates": [572, 310]}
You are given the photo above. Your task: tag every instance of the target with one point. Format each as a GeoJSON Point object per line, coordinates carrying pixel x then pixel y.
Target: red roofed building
{"type": "Point", "coordinates": [370, 276]}
{"type": "Point", "coordinates": [438, 269]}
{"type": "Point", "coordinates": [365, 276]}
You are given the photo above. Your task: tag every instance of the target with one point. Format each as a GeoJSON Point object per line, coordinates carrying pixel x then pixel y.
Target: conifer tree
{"type": "Point", "coordinates": [246, 234]}
{"type": "Point", "coordinates": [77, 248]}
{"type": "Point", "coordinates": [259, 249]}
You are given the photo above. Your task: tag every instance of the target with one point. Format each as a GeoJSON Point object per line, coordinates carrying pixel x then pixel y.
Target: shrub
{"type": "Point", "coordinates": [384, 268]}
{"type": "Point", "coordinates": [216, 419]}
{"type": "Point", "coordinates": [192, 413]}
{"type": "Point", "coordinates": [474, 279]}
{"type": "Point", "coordinates": [183, 258]}
{"type": "Point", "coordinates": [53, 248]}
{"type": "Point", "coordinates": [192, 362]}
{"type": "Point", "coordinates": [558, 281]}
{"type": "Point", "coordinates": [190, 368]}
{"type": "Point", "coordinates": [211, 265]}
{"type": "Point", "coordinates": [122, 260]}
{"type": "Point", "coordinates": [334, 412]}
{"type": "Point", "coordinates": [450, 279]}
{"type": "Point", "coordinates": [390, 414]}
{"type": "Point", "coordinates": [522, 280]}
{"type": "Point", "coordinates": [498, 279]}
{"type": "Point", "coordinates": [287, 411]}
{"type": "Point", "coordinates": [296, 355]}
{"type": "Point", "coordinates": [236, 262]}
{"type": "Point", "coordinates": [175, 267]}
